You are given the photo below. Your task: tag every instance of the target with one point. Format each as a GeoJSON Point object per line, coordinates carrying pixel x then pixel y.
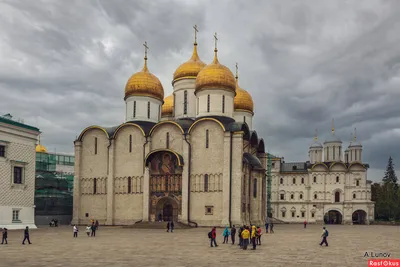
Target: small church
{"type": "Point", "coordinates": [191, 157]}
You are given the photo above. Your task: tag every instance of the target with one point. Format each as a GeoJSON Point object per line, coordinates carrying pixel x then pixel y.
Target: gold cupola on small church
{"type": "Point", "coordinates": [167, 108]}
{"type": "Point", "coordinates": [243, 100]}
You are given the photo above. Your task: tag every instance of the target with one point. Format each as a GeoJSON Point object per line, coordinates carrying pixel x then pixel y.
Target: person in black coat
{"type": "Point", "coordinates": [4, 237]}
{"type": "Point", "coordinates": [26, 236]}
{"type": "Point", "coordinates": [233, 234]}
{"type": "Point", "coordinates": [171, 225]}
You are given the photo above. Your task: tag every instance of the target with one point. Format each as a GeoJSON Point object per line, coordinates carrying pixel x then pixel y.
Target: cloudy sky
{"type": "Point", "coordinates": [64, 65]}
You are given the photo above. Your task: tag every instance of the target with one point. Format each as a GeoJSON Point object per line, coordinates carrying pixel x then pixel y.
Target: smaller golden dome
{"type": "Point", "coordinates": [144, 83]}
{"type": "Point", "coordinates": [168, 106]}
{"type": "Point", "coordinates": [189, 69]}
{"type": "Point", "coordinates": [41, 149]}
{"type": "Point", "coordinates": [215, 75]}
{"type": "Point", "coordinates": [243, 100]}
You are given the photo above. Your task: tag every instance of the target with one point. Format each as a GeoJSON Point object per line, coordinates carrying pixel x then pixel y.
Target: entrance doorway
{"type": "Point", "coordinates": [168, 212]}
{"type": "Point", "coordinates": [359, 217]}
{"type": "Point", "coordinates": [333, 217]}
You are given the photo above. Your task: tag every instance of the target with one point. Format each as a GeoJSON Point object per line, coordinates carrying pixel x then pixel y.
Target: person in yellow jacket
{"type": "Point", "coordinates": [245, 236]}
{"type": "Point", "coordinates": [253, 236]}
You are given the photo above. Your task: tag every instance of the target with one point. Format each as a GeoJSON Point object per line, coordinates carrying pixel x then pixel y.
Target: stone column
{"type": "Point", "coordinates": [237, 177]}
{"type": "Point", "coordinates": [77, 182]}
{"type": "Point", "coordinates": [185, 183]}
{"type": "Point", "coordinates": [146, 194]}
{"type": "Point", "coordinates": [110, 184]}
{"type": "Point", "coordinates": [226, 179]}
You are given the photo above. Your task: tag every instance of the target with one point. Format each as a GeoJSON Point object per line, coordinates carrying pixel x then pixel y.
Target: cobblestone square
{"type": "Point", "coordinates": [291, 245]}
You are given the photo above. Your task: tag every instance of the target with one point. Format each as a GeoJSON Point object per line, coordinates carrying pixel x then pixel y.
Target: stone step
{"type": "Point", "coordinates": [157, 225]}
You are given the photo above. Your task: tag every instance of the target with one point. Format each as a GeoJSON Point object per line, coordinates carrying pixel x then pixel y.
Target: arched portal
{"type": "Point", "coordinates": [359, 217]}
{"type": "Point", "coordinates": [165, 168]}
{"type": "Point", "coordinates": [333, 217]}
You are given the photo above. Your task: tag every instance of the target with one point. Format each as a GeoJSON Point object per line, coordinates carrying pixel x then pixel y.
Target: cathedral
{"type": "Point", "coordinates": [191, 157]}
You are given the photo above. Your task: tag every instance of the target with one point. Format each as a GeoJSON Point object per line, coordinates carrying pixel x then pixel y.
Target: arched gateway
{"type": "Point", "coordinates": [359, 217]}
{"type": "Point", "coordinates": [165, 168]}
{"type": "Point", "coordinates": [333, 217]}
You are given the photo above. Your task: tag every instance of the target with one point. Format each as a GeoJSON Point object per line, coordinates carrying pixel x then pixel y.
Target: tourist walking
{"type": "Point", "coordinates": [93, 228]}
{"type": "Point", "coordinates": [253, 236]}
{"type": "Point", "coordinates": [258, 235]}
{"type": "Point", "coordinates": [305, 224]}
{"type": "Point", "coordinates": [4, 236]}
{"type": "Point", "coordinates": [88, 228]}
{"type": "Point", "coordinates": [213, 237]}
{"type": "Point", "coordinates": [226, 234]}
{"type": "Point", "coordinates": [167, 226]}
{"type": "Point", "coordinates": [233, 235]}
{"type": "Point", "coordinates": [75, 228]}
{"type": "Point", "coordinates": [171, 226]}
{"type": "Point", "coordinates": [240, 237]}
{"type": "Point", "coordinates": [324, 236]}
{"type": "Point", "coordinates": [245, 237]}
{"type": "Point", "coordinates": [26, 236]}
{"type": "Point", "coordinates": [271, 228]}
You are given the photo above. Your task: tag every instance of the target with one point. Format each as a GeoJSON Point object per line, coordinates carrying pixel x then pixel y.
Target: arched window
{"type": "Point", "coordinates": [207, 138]}
{"type": "Point", "coordinates": [294, 180]}
{"type": "Point", "coordinates": [130, 143]}
{"type": "Point", "coordinates": [208, 103]}
{"type": "Point", "coordinates": [206, 183]}
{"type": "Point", "coordinates": [134, 109]}
{"type": "Point", "coordinates": [291, 196]}
{"type": "Point", "coordinates": [129, 185]}
{"type": "Point", "coordinates": [185, 102]}
{"type": "Point", "coordinates": [95, 145]}
{"type": "Point", "coordinates": [357, 183]}
{"type": "Point", "coordinates": [148, 110]}
{"type": "Point", "coordinates": [315, 196]}
{"type": "Point", "coordinates": [315, 179]}
{"type": "Point", "coordinates": [354, 196]}
{"type": "Point", "coordinates": [337, 179]}
{"type": "Point", "coordinates": [167, 141]}
{"type": "Point", "coordinates": [337, 196]}
{"type": "Point", "coordinates": [302, 180]}
{"type": "Point", "coordinates": [223, 104]}
{"type": "Point", "coordinates": [94, 186]}
{"type": "Point", "coordinates": [281, 181]}
{"type": "Point", "coordinates": [255, 188]}
{"type": "Point", "coordinates": [301, 196]}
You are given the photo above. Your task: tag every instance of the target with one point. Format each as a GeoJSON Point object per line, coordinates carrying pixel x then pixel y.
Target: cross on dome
{"type": "Point", "coordinates": [195, 34]}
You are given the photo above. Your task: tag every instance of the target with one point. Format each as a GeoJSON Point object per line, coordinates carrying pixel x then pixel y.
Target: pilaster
{"type": "Point", "coordinates": [185, 182]}
{"type": "Point", "coordinates": [110, 184]}
{"type": "Point", "coordinates": [146, 194]}
{"type": "Point", "coordinates": [226, 179]}
{"type": "Point", "coordinates": [237, 162]}
{"type": "Point", "coordinates": [77, 180]}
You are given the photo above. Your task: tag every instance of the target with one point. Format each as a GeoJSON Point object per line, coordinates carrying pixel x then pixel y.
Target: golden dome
{"type": "Point", "coordinates": [167, 108]}
{"type": "Point", "coordinates": [189, 69]}
{"type": "Point", "coordinates": [40, 148]}
{"type": "Point", "coordinates": [243, 100]}
{"type": "Point", "coordinates": [215, 75]}
{"type": "Point", "coordinates": [144, 83]}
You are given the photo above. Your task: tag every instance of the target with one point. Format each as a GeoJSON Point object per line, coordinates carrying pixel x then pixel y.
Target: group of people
{"type": "Point", "coordinates": [53, 222]}
{"type": "Point", "coordinates": [247, 235]}
{"type": "Point", "coordinates": [90, 229]}
{"type": "Point", "coordinates": [4, 238]}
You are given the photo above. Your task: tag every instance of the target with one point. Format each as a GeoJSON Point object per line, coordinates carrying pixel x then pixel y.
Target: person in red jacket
{"type": "Point", "coordinates": [305, 224]}
{"type": "Point", "coordinates": [213, 237]}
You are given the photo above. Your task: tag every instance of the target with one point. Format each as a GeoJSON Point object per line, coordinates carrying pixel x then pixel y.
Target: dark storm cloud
{"type": "Point", "coordinates": [64, 66]}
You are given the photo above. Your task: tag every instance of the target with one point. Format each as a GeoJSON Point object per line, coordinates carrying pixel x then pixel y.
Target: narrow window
{"type": "Point", "coordinates": [95, 145]}
{"type": "Point", "coordinates": [281, 181]}
{"type": "Point", "coordinates": [340, 152]}
{"type": "Point", "coordinates": [134, 109]}
{"type": "Point", "coordinates": [185, 102]}
{"type": "Point", "coordinates": [302, 214]}
{"type": "Point", "coordinates": [337, 197]}
{"type": "Point", "coordinates": [354, 196]}
{"type": "Point", "coordinates": [2, 151]}
{"type": "Point", "coordinates": [148, 110]}
{"type": "Point", "coordinates": [351, 155]}
{"type": "Point", "coordinates": [337, 179]}
{"type": "Point", "coordinates": [207, 138]}
{"type": "Point", "coordinates": [302, 180]}
{"type": "Point", "coordinates": [17, 175]}
{"type": "Point", "coordinates": [327, 153]}
{"type": "Point", "coordinates": [293, 214]}
{"type": "Point", "coordinates": [167, 145]}
{"type": "Point", "coordinates": [312, 215]}
{"type": "Point", "coordinates": [333, 157]}
{"type": "Point", "coordinates": [255, 188]}
{"type": "Point", "coordinates": [244, 185]}
{"type": "Point", "coordinates": [347, 158]}
{"type": "Point", "coordinates": [273, 165]}
{"type": "Point", "coordinates": [197, 105]}
{"type": "Point", "coordinates": [315, 179]}
{"type": "Point", "coordinates": [291, 196]}
{"type": "Point", "coordinates": [159, 112]}
{"type": "Point", "coordinates": [208, 103]}
{"type": "Point", "coordinates": [283, 214]}
{"type": "Point", "coordinates": [130, 143]}
{"type": "Point", "coordinates": [294, 180]}
{"type": "Point", "coordinates": [223, 104]}
{"type": "Point", "coordinates": [206, 183]}
{"type": "Point", "coordinates": [282, 196]}
{"type": "Point", "coordinates": [244, 118]}
{"type": "Point", "coordinates": [315, 196]}
{"type": "Point", "coordinates": [94, 186]}
{"type": "Point", "coordinates": [301, 196]}
{"type": "Point", "coordinates": [355, 155]}
{"type": "Point", "coordinates": [129, 185]}
{"type": "Point", "coordinates": [357, 183]}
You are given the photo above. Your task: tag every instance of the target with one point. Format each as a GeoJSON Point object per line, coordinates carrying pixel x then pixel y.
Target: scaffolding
{"type": "Point", "coordinates": [269, 184]}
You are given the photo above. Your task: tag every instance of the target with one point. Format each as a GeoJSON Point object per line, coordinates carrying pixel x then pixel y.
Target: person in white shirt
{"type": "Point", "coordinates": [324, 237]}
{"type": "Point", "coordinates": [75, 231]}
{"type": "Point", "coordinates": [88, 229]}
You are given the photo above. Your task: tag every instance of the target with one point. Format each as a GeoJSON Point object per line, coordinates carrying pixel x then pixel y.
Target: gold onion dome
{"type": "Point", "coordinates": [168, 106]}
{"type": "Point", "coordinates": [144, 83]}
{"type": "Point", "coordinates": [215, 75]}
{"type": "Point", "coordinates": [40, 148]}
{"type": "Point", "coordinates": [189, 69]}
{"type": "Point", "coordinates": [243, 100]}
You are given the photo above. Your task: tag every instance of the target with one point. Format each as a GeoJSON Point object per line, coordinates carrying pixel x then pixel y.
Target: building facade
{"type": "Point", "coordinates": [191, 157]}
{"type": "Point", "coordinates": [17, 173]}
{"type": "Point", "coordinates": [331, 187]}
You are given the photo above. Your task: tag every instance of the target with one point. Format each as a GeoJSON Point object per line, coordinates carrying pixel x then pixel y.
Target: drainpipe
{"type": "Point", "coordinates": [144, 153]}
{"type": "Point", "coordinates": [230, 184]}
{"type": "Point", "coordinates": [189, 164]}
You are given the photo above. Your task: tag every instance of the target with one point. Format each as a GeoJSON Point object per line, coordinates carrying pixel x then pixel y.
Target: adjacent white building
{"type": "Point", "coordinates": [17, 173]}
{"type": "Point", "coordinates": [330, 187]}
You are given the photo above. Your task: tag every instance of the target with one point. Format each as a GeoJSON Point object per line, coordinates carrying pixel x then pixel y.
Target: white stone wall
{"type": "Point", "coordinates": [180, 87]}
{"type": "Point", "coordinates": [20, 151]}
{"type": "Point", "coordinates": [215, 103]}
{"type": "Point", "coordinates": [141, 113]}
{"type": "Point", "coordinates": [243, 116]}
